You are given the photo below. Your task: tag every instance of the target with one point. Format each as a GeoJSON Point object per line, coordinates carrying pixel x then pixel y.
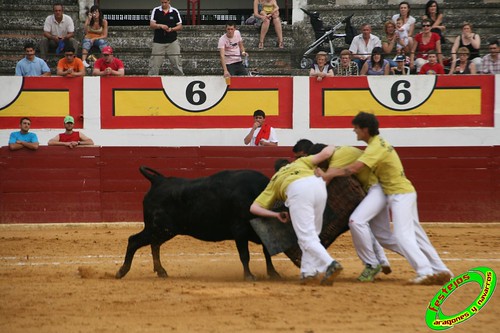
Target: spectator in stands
{"type": "Point", "coordinates": [70, 138]}
{"type": "Point", "coordinates": [400, 68]}
{"type": "Point", "coordinates": [471, 41]}
{"type": "Point", "coordinates": [408, 20]}
{"type": "Point", "coordinates": [376, 65]}
{"type": "Point", "coordinates": [96, 31]}
{"type": "Point", "coordinates": [423, 43]}
{"type": "Point", "coordinates": [389, 42]}
{"type": "Point", "coordinates": [70, 65]}
{"type": "Point", "coordinates": [268, 10]}
{"type": "Point", "coordinates": [166, 21]}
{"type": "Point", "coordinates": [58, 31]}
{"type": "Point", "coordinates": [432, 67]}
{"type": "Point", "coordinates": [301, 148]}
{"type": "Point", "coordinates": [346, 67]}
{"type": "Point", "coordinates": [362, 45]}
{"type": "Point", "coordinates": [463, 65]}
{"type": "Point", "coordinates": [321, 68]}
{"type": "Point", "coordinates": [231, 49]}
{"type": "Point", "coordinates": [31, 65]}
{"type": "Point", "coordinates": [435, 16]}
{"type": "Point", "coordinates": [108, 65]}
{"type": "Point", "coordinates": [491, 65]}
{"type": "Point", "coordinates": [261, 134]}
{"type": "Point", "coordinates": [403, 42]}
{"type": "Point", "coordinates": [24, 138]}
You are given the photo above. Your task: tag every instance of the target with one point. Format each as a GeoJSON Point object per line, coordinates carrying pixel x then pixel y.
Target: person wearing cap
{"type": "Point", "coordinates": [321, 68]}
{"type": "Point", "coordinates": [400, 68]}
{"type": "Point", "coordinates": [108, 65]}
{"type": "Point", "coordinates": [166, 21]}
{"type": "Point", "coordinates": [70, 138]}
{"type": "Point", "coordinates": [24, 138]}
{"type": "Point", "coordinates": [70, 65]}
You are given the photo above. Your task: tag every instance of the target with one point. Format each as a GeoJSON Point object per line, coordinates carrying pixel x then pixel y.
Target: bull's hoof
{"type": "Point", "coordinates": [250, 277]}
{"type": "Point", "coordinates": [162, 273]}
{"type": "Point", "coordinates": [274, 275]}
{"type": "Point", "coordinates": [121, 273]}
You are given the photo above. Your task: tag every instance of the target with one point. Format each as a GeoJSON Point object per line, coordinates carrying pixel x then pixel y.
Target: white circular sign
{"type": "Point", "coordinates": [402, 92]}
{"type": "Point", "coordinates": [11, 89]}
{"type": "Point", "coordinates": [194, 94]}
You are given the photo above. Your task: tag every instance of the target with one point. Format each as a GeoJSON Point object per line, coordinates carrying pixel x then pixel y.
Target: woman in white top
{"type": "Point", "coordinates": [408, 20]}
{"type": "Point", "coordinates": [321, 68]}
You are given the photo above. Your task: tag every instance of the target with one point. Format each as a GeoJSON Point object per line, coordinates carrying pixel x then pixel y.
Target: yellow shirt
{"type": "Point", "coordinates": [346, 155]}
{"type": "Point", "coordinates": [384, 161]}
{"type": "Point", "coordinates": [276, 189]}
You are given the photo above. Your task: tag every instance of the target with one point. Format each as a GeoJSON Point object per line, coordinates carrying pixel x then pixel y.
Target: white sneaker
{"type": "Point", "coordinates": [423, 280]}
{"type": "Point", "coordinates": [86, 64]}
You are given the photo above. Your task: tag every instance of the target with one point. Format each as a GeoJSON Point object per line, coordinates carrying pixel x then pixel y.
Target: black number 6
{"type": "Point", "coordinates": [191, 93]}
{"type": "Point", "coordinates": [395, 93]}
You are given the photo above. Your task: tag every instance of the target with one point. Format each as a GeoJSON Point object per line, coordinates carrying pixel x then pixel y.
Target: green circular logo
{"type": "Point", "coordinates": [487, 280]}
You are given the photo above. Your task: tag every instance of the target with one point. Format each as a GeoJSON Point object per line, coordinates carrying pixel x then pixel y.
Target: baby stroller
{"type": "Point", "coordinates": [326, 34]}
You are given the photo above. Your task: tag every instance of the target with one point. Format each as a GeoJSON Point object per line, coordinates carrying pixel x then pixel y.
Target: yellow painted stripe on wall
{"type": "Point", "coordinates": [39, 103]}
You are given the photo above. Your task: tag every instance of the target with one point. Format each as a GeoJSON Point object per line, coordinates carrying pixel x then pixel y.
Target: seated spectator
{"type": "Point", "coordinates": [376, 65]}
{"type": "Point", "coordinates": [321, 68]}
{"type": "Point", "coordinates": [389, 42]}
{"type": "Point", "coordinates": [108, 65]}
{"type": "Point", "coordinates": [435, 16]}
{"type": "Point", "coordinates": [408, 20]}
{"type": "Point", "coordinates": [463, 65]}
{"type": "Point", "coordinates": [70, 65]}
{"type": "Point", "coordinates": [491, 65]}
{"type": "Point", "coordinates": [422, 44]}
{"type": "Point", "coordinates": [58, 32]}
{"type": "Point", "coordinates": [231, 49]}
{"type": "Point", "coordinates": [24, 138]}
{"type": "Point", "coordinates": [432, 67]}
{"type": "Point", "coordinates": [70, 138]}
{"type": "Point", "coordinates": [96, 32]}
{"type": "Point", "coordinates": [346, 67]}
{"type": "Point", "coordinates": [267, 11]}
{"type": "Point", "coordinates": [362, 45]}
{"type": "Point", "coordinates": [31, 65]}
{"type": "Point", "coordinates": [261, 134]}
{"type": "Point", "coordinates": [400, 68]}
{"type": "Point", "coordinates": [471, 41]}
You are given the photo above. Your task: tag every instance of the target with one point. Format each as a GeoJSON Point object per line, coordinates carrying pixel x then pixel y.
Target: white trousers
{"type": "Point", "coordinates": [411, 237]}
{"type": "Point", "coordinates": [306, 199]}
{"type": "Point", "coordinates": [173, 52]}
{"type": "Point", "coordinates": [370, 222]}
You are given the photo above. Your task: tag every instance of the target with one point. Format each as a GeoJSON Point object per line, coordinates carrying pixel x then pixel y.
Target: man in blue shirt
{"type": "Point", "coordinates": [31, 65]}
{"type": "Point", "coordinates": [23, 139]}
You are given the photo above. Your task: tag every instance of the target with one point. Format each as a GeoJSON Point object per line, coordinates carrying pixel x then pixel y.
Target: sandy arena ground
{"type": "Point", "coordinates": [60, 278]}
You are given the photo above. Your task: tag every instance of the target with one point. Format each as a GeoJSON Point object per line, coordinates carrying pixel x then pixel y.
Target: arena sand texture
{"type": "Point", "coordinates": [60, 278]}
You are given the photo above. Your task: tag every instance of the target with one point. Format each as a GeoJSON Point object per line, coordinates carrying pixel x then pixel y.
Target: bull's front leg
{"type": "Point", "coordinates": [134, 243]}
{"type": "Point", "coordinates": [157, 267]}
{"type": "Point", "coordinates": [271, 271]}
{"type": "Point", "coordinates": [242, 246]}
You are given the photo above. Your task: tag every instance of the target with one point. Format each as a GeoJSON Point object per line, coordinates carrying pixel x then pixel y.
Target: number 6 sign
{"type": "Point", "coordinates": [401, 93]}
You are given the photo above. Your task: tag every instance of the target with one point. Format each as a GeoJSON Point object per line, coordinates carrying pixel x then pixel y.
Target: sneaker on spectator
{"type": "Point", "coordinates": [331, 273]}
{"type": "Point", "coordinates": [369, 273]}
{"type": "Point", "coordinates": [86, 64]}
{"type": "Point", "coordinates": [423, 280]}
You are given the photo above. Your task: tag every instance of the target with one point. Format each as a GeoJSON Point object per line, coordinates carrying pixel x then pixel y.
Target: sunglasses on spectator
{"type": "Point", "coordinates": [426, 25]}
{"type": "Point", "coordinates": [69, 55]}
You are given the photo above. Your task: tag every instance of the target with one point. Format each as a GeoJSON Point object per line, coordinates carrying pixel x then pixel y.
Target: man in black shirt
{"type": "Point", "coordinates": [165, 21]}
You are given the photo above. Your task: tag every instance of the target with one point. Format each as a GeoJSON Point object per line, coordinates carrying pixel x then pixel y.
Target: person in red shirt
{"type": "Point", "coordinates": [432, 67]}
{"type": "Point", "coordinates": [108, 65]}
{"type": "Point", "coordinates": [70, 65]}
{"type": "Point", "coordinates": [70, 138]}
{"type": "Point", "coordinates": [422, 44]}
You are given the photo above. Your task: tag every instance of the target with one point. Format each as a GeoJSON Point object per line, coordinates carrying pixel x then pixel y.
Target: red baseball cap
{"type": "Point", "coordinates": [107, 50]}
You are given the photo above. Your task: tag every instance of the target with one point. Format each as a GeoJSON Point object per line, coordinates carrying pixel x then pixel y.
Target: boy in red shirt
{"type": "Point", "coordinates": [108, 65]}
{"type": "Point", "coordinates": [432, 67]}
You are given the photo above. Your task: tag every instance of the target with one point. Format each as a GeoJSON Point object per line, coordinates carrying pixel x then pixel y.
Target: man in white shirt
{"type": "Point", "coordinates": [363, 44]}
{"type": "Point", "coordinates": [58, 30]}
{"type": "Point", "coordinates": [231, 49]}
{"type": "Point", "coordinates": [261, 134]}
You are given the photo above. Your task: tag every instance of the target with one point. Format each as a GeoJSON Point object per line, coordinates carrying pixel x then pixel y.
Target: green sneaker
{"type": "Point", "coordinates": [369, 273]}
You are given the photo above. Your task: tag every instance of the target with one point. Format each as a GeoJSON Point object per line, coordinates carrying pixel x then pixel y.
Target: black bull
{"type": "Point", "coordinates": [217, 208]}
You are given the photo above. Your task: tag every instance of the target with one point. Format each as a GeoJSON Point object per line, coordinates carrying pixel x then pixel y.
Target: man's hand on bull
{"type": "Point", "coordinates": [320, 173]}
{"type": "Point", "coordinates": [283, 217]}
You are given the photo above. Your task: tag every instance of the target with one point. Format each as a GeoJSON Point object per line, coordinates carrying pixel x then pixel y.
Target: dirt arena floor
{"type": "Point", "coordinates": [60, 278]}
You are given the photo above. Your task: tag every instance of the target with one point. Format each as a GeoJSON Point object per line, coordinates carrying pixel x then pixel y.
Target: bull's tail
{"type": "Point", "coordinates": [151, 174]}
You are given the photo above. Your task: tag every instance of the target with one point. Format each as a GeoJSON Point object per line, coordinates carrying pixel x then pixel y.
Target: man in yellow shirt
{"type": "Point", "coordinates": [305, 196]}
{"type": "Point", "coordinates": [401, 196]}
